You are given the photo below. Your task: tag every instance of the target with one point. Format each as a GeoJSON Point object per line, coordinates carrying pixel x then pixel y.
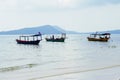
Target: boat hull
{"type": "Point", "coordinates": [36, 42]}
{"type": "Point", "coordinates": [98, 39]}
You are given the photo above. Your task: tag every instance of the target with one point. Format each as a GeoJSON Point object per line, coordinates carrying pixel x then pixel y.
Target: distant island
{"type": "Point", "coordinates": [113, 31]}
{"type": "Point", "coordinates": [109, 31]}
{"type": "Point", "coordinates": [45, 29]}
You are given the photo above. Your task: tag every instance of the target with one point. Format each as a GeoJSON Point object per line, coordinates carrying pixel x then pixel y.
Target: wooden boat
{"type": "Point", "coordinates": [53, 39]}
{"type": "Point", "coordinates": [32, 39]}
{"type": "Point", "coordinates": [99, 37]}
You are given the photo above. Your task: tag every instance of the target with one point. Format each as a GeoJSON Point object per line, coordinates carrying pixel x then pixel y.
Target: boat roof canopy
{"type": "Point", "coordinates": [101, 34]}
{"type": "Point", "coordinates": [36, 35]}
{"type": "Point", "coordinates": [30, 36]}
{"type": "Point", "coordinates": [106, 34]}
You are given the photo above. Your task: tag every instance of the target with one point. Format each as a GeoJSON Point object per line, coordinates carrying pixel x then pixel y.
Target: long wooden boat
{"type": "Point", "coordinates": [53, 39]}
{"type": "Point", "coordinates": [99, 37]}
{"type": "Point", "coordinates": [32, 39]}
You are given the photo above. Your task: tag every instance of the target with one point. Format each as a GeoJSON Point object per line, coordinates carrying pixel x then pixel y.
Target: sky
{"type": "Point", "coordinates": [76, 15]}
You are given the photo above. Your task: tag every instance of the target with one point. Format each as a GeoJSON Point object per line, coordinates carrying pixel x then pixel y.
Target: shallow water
{"type": "Point", "coordinates": [75, 59]}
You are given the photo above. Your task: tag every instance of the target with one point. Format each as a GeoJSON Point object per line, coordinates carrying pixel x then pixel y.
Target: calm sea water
{"type": "Point", "coordinates": [75, 59]}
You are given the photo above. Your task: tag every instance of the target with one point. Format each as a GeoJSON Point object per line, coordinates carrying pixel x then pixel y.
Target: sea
{"type": "Point", "coordinates": [75, 59]}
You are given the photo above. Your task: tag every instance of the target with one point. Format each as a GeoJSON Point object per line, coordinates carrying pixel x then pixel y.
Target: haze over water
{"type": "Point", "coordinates": [75, 59]}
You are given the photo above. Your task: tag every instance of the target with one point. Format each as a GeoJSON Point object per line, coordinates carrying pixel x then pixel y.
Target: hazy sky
{"type": "Point", "coordinates": [77, 15]}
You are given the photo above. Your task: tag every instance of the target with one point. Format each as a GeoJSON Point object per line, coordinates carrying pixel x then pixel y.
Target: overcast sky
{"type": "Point", "coordinates": [77, 15]}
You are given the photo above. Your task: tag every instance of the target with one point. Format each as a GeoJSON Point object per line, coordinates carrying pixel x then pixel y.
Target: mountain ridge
{"type": "Point", "coordinates": [45, 29]}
